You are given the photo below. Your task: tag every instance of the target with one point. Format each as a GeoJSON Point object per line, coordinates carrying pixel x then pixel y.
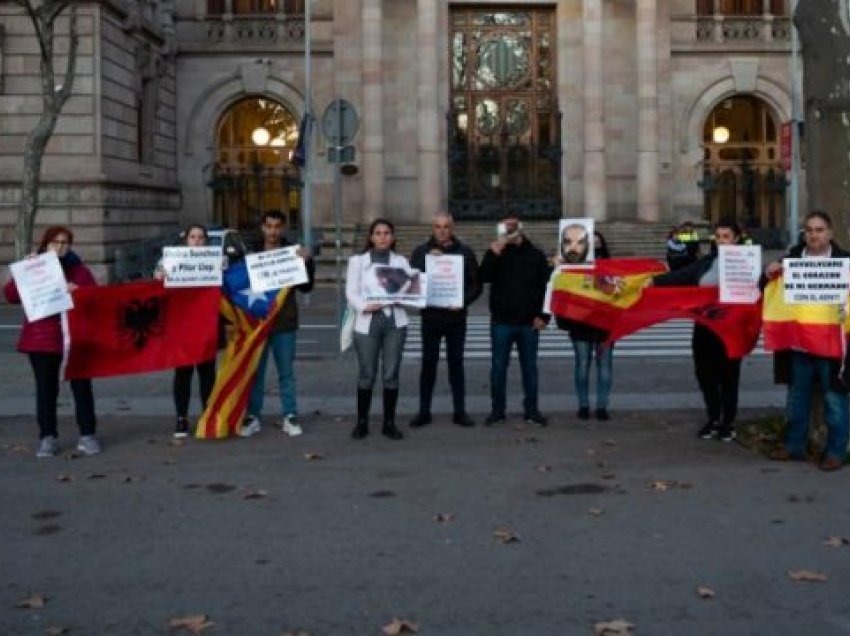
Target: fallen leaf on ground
{"type": "Point", "coordinates": [19, 448]}
{"type": "Point", "coordinates": [57, 630]}
{"type": "Point", "coordinates": [95, 476]}
{"type": "Point", "coordinates": [35, 600]}
{"type": "Point", "coordinates": [64, 478]}
{"type": "Point", "coordinates": [297, 632]}
{"type": "Point", "coordinates": [170, 462]}
{"type": "Point", "coordinates": [195, 623]}
{"type": "Point", "coordinates": [219, 488]}
{"type": "Point", "coordinates": [256, 494]}
{"type": "Point", "coordinates": [43, 515]}
{"type": "Point", "coordinates": [309, 457]}
{"type": "Point", "coordinates": [444, 517]}
{"type": "Point", "coordinates": [131, 479]}
{"type": "Point", "coordinates": [400, 626]}
{"type": "Point", "coordinates": [836, 542]}
{"type": "Point", "coordinates": [595, 512]}
{"type": "Point", "coordinates": [608, 476]}
{"type": "Point", "coordinates": [526, 440]}
{"type": "Point", "coordinates": [46, 530]}
{"type": "Point", "coordinates": [618, 627]}
{"type": "Point", "coordinates": [72, 455]}
{"type": "Point", "coordinates": [504, 535]}
{"type": "Point", "coordinates": [661, 485]}
{"type": "Point", "coordinates": [685, 485]}
{"type": "Point", "coordinates": [177, 442]}
{"type": "Point", "coordinates": [544, 468]}
{"type": "Point", "coordinates": [610, 442]}
{"type": "Point", "coordinates": [807, 576]}
{"type": "Point", "coordinates": [705, 592]}
{"type": "Point", "coordinates": [591, 452]}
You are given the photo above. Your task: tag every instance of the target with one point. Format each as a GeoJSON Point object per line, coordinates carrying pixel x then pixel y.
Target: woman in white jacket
{"type": "Point", "coordinates": [380, 329]}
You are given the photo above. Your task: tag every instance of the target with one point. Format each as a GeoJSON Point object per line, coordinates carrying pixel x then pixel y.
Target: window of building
{"type": "Point", "coordinates": [740, 7]}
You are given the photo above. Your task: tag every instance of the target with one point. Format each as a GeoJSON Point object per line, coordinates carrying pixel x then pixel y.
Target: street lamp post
{"type": "Point", "coordinates": [793, 198]}
{"type": "Point", "coordinates": [307, 212]}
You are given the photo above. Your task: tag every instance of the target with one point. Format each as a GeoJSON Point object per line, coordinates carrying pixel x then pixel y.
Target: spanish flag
{"type": "Point", "coordinates": [252, 317]}
{"type": "Point", "coordinates": [613, 297]}
{"type": "Point", "coordinates": [820, 330]}
{"type": "Point", "coordinates": [600, 295]}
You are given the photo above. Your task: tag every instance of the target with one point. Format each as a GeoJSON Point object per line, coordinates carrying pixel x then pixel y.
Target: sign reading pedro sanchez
{"type": "Point", "coordinates": [276, 269]}
{"type": "Point", "coordinates": [816, 281]}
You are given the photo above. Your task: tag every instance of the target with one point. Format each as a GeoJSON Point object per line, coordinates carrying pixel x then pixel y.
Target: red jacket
{"type": "Point", "coordinates": [45, 335]}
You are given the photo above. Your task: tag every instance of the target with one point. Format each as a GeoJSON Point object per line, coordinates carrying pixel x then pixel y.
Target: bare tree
{"type": "Point", "coordinates": [824, 28]}
{"type": "Point", "coordinates": [43, 15]}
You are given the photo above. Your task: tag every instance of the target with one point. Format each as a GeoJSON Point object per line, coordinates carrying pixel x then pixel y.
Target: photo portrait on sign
{"type": "Point", "coordinates": [575, 242]}
{"type": "Point", "coordinates": [385, 284]}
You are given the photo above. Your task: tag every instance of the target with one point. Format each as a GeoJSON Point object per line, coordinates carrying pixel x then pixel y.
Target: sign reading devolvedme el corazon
{"type": "Point", "coordinates": [816, 281]}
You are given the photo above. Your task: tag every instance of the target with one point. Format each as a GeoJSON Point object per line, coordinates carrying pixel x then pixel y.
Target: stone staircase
{"type": "Point", "coordinates": [624, 239]}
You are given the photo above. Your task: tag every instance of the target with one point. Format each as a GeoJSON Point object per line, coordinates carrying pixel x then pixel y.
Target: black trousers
{"type": "Point", "coordinates": [717, 375]}
{"type": "Point", "coordinates": [183, 385]}
{"type": "Point", "coordinates": [433, 331]}
{"type": "Point", "coordinates": [45, 368]}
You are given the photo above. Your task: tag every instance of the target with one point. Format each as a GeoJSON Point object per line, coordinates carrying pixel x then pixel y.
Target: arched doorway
{"type": "Point", "coordinates": [742, 172]}
{"type": "Point", "coordinates": [253, 170]}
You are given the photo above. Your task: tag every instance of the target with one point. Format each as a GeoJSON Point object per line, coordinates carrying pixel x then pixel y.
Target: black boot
{"type": "Point", "coordinates": [364, 401]}
{"type": "Point", "coordinates": [390, 430]}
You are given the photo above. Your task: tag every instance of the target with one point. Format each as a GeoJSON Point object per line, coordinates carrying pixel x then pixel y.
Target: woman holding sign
{"type": "Point", "coordinates": [718, 375]}
{"type": "Point", "coordinates": [380, 327]}
{"type": "Point", "coordinates": [42, 341]}
{"type": "Point", "coordinates": [194, 236]}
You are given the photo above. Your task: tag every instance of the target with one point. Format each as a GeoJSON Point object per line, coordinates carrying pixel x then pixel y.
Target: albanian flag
{"type": "Point", "coordinates": [612, 296]}
{"type": "Point", "coordinates": [816, 329]}
{"type": "Point", "coordinates": [140, 327]}
{"type": "Point", "coordinates": [738, 326]}
{"type": "Point", "coordinates": [252, 316]}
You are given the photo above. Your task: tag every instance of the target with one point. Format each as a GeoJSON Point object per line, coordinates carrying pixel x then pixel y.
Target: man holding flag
{"type": "Point", "coordinates": [814, 336]}
{"type": "Point", "coordinates": [281, 340]}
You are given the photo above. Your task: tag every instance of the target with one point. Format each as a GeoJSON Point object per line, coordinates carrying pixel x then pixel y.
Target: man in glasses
{"type": "Point", "coordinates": [807, 370]}
{"type": "Point", "coordinates": [448, 323]}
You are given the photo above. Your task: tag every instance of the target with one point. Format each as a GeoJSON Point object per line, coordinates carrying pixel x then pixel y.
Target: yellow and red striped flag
{"type": "Point", "coordinates": [235, 377]}
{"type": "Point", "coordinates": [820, 330]}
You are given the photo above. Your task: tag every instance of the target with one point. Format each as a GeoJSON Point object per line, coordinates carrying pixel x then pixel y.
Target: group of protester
{"type": "Point", "coordinates": [518, 273]}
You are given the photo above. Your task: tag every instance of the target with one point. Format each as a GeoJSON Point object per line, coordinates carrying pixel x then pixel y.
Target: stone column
{"type": "Point", "coordinates": [595, 203]}
{"type": "Point", "coordinates": [428, 109]}
{"type": "Point", "coordinates": [373, 97]}
{"type": "Point", "coordinates": [647, 90]}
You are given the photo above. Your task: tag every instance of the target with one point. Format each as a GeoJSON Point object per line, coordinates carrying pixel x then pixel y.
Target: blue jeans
{"type": "Point", "coordinates": [502, 338]}
{"type": "Point", "coordinates": [804, 369]}
{"type": "Point", "coordinates": [282, 347]}
{"type": "Point", "coordinates": [584, 351]}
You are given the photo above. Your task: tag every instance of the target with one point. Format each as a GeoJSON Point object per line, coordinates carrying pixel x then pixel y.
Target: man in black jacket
{"type": "Point", "coordinates": [807, 369]}
{"type": "Point", "coordinates": [518, 273]}
{"type": "Point", "coordinates": [281, 341]}
{"type": "Point", "coordinates": [448, 323]}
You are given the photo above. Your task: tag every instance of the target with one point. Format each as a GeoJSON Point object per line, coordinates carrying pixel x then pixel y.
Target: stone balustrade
{"type": "Point", "coordinates": [758, 32]}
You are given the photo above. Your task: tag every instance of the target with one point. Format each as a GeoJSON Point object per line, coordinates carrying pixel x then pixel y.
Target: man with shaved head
{"type": "Point", "coordinates": [448, 323]}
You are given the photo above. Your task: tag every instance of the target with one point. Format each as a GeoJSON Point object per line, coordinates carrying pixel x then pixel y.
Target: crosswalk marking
{"type": "Point", "coordinates": [669, 339]}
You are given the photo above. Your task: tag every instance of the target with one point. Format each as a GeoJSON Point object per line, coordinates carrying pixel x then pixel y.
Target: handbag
{"type": "Point", "coordinates": [346, 331]}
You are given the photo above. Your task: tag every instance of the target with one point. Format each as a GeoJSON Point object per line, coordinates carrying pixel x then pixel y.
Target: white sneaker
{"type": "Point", "coordinates": [47, 447]}
{"type": "Point", "coordinates": [289, 425]}
{"type": "Point", "coordinates": [250, 426]}
{"type": "Point", "coordinates": [88, 445]}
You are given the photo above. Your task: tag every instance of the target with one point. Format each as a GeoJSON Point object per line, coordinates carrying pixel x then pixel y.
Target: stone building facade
{"type": "Point", "coordinates": [605, 108]}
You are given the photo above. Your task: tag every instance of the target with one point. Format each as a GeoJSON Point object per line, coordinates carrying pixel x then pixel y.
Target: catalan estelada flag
{"type": "Point", "coordinates": [252, 316]}
{"type": "Point", "coordinates": [138, 328]}
{"type": "Point", "coordinates": [820, 330]}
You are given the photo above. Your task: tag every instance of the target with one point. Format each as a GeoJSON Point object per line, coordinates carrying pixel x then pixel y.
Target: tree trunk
{"type": "Point", "coordinates": [824, 28]}
{"type": "Point", "coordinates": [54, 97]}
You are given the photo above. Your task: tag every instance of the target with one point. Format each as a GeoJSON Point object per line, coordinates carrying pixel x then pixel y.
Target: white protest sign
{"type": "Point", "coordinates": [739, 269]}
{"type": "Point", "coordinates": [816, 281]}
{"type": "Point", "coordinates": [445, 280]}
{"type": "Point", "coordinates": [192, 266]}
{"type": "Point", "coordinates": [276, 269]}
{"type": "Point", "coordinates": [390, 285]}
{"type": "Point", "coordinates": [42, 286]}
